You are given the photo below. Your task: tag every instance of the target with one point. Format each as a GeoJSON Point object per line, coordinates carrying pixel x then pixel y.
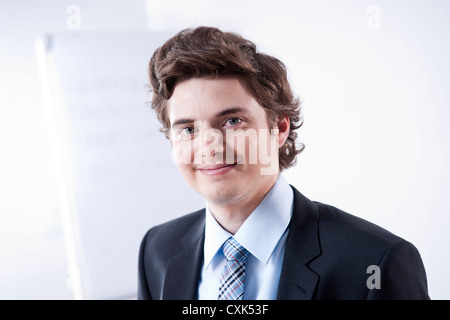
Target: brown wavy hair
{"type": "Point", "coordinates": [209, 52]}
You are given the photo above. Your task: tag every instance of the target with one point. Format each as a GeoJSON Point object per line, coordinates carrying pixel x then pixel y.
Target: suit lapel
{"type": "Point", "coordinates": [297, 281]}
{"type": "Point", "coordinates": [183, 270]}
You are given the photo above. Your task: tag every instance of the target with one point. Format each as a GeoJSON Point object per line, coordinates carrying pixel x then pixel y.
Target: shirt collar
{"type": "Point", "coordinates": [262, 230]}
{"type": "Point", "coordinates": [215, 236]}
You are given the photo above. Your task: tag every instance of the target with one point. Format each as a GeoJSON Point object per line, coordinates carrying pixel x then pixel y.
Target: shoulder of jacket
{"type": "Point", "coordinates": [337, 221]}
{"type": "Point", "coordinates": [175, 228]}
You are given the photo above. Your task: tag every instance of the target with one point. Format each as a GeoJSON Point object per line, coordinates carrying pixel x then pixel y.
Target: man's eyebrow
{"type": "Point", "coordinates": [181, 122]}
{"type": "Point", "coordinates": [232, 110]}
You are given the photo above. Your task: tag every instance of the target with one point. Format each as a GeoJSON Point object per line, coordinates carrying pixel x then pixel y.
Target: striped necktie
{"type": "Point", "coordinates": [233, 275]}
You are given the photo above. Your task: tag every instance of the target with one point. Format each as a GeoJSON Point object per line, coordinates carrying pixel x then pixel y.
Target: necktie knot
{"type": "Point", "coordinates": [233, 250]}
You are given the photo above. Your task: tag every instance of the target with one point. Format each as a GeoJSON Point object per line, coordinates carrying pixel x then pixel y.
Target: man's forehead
{"type": "Point", "coordinates": [223, 88]}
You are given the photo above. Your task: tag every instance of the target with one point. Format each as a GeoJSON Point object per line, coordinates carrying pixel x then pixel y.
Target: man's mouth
{"type": "Point", "coordinates": [216, 169]}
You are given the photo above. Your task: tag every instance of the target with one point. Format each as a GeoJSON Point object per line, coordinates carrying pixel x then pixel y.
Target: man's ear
{"type": "Point", "coordinates": [283, 125]}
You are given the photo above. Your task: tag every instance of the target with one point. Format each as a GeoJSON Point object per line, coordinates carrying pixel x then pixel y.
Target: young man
{"type": "Point", "coordinates": [230, 116]}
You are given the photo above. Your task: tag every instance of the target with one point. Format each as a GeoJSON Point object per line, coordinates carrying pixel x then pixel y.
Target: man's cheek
{"type": "Point", "coordinates": [269, 152]}
{"type": "Point", "coordinates": [183, 152]}
{"type": "Point", "coordinates": [235, 153]}
{"type": "Point", "coordinates": [242, 146]}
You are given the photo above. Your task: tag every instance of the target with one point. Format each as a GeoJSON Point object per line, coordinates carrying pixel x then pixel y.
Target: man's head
{"type": "Point", "coordinates": [224, 106]}
{"type": "Point", "coordinates": [206, 52]}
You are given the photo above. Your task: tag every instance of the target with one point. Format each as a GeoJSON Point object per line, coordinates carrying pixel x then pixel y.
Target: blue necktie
{"type": "Point", "coordinates": [233, 275]}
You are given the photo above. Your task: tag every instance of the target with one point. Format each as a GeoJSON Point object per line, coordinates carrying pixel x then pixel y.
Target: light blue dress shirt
{"type": "Point", "coordinates": [263, 234]}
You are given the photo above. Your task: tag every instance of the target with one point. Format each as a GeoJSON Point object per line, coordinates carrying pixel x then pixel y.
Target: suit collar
{"type": "Point", "coordinates": [297, 281]}
{"type": "Point", "coordinates": [183, 270]}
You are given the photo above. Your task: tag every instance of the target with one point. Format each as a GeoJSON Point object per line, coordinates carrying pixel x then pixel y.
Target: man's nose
{"type": "Point", "coordinates": [212, 145]}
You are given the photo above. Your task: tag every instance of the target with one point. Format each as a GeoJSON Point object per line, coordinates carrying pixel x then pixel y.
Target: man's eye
{"type": "Point", "coordinates": [233, 121]}
{"type": "Point", "coordinates": [188, 131]}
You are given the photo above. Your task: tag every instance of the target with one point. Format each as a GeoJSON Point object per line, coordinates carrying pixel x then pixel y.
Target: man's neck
{"type": "Point", "coordinates": [231, 216]}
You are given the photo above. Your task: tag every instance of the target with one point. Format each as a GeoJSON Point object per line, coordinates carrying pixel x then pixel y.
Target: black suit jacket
{"type": "Point", "coordinates": [327, 255]}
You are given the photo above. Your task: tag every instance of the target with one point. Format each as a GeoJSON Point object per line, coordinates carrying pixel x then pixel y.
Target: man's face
{"type": "Point", "coordinates": [221, 139]}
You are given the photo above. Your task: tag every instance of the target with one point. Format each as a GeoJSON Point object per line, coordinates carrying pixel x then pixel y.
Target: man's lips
{"type": "Point", "coordinates": [216, 169]}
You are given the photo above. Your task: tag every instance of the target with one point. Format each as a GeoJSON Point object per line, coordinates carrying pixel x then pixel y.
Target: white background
{"type": "Point", "coordinates": [373, 77]}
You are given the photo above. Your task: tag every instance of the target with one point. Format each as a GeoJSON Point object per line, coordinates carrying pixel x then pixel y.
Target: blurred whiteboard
{"type": "Point", "coordinates": [114, 167]}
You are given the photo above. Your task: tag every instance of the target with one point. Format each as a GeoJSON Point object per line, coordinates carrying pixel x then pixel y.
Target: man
{"type": "Point", "coordinates": [230, 116]}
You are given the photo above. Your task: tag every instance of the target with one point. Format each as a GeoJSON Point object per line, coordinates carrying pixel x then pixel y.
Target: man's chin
{"type": "Point", "coordinates": [221, 196]}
